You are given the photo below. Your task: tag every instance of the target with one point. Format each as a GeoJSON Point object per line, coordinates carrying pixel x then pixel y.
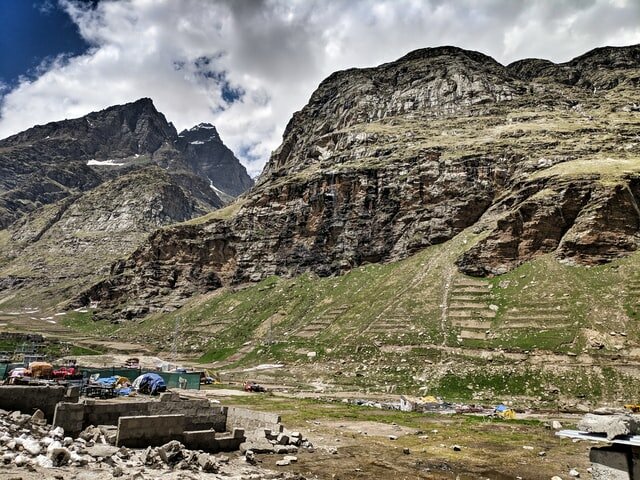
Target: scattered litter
{"type": "Point", "coordinates": [502, 411]}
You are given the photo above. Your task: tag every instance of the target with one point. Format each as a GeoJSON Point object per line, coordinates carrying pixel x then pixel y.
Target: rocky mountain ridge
{"type": "Point", "coordinates": [76, 195]}
{"type": "Point", "coordinates": [45, 163]}
{"type": "Point", "coordinates": [386, 161]}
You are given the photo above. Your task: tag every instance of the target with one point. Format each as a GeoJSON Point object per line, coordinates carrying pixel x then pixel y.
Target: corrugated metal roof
{"type": "Point", "coordinates": [633, 440]}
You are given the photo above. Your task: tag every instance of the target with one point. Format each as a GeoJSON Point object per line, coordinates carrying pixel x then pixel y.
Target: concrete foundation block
{"type": "Point", "coordinates": [610, 463]}
{"type": "Point", "coordinates": [29, 398]}
{"type": "Point", "coordinates": [229, 444]}
{"type": "Point", "coordinates": [153, 430]}
{"type": "Point", "coordinates": [635, 463]}
{"type": "Point", "coordinates": [201, 440]}
{"type": "Point", "coordinates": [611, 425]}
{"type": "Point", "coordinates": [69, 416]}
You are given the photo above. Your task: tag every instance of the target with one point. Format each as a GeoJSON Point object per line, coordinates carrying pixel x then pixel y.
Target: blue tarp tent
{"type": "Point", "coordinates": [150, 383]}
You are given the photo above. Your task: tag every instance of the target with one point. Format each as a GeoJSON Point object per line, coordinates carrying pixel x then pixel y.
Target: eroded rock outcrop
{"type": "Point", "coordinates": [582, 221]}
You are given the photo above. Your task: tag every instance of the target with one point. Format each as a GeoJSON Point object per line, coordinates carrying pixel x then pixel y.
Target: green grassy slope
{"type": "Point", "coordinates": [545, 331]}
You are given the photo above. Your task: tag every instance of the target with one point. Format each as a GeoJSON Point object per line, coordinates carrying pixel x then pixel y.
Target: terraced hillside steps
{"type": "Point", "coordinates": [395, 323]}
{"type": "Point", "coordinates": [470, 308]}
{"type": "Point", "coordinates": [632, 294]}
{"type": "Point", "coordinates": [549, 312]}
{"type": "Point", "coordinates": [322, 323]}
{"type": "Point", "coordinates": [213, 326]}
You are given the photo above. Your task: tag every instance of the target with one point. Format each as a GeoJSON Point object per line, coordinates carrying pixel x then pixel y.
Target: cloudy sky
{"type": "Point", "coordinates": [247, 65]}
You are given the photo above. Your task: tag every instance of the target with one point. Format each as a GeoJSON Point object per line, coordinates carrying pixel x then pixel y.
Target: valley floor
{"type": "Point", "coordinates": [361, 442]}
{"type": "Point", "coordinates": [354, 442]}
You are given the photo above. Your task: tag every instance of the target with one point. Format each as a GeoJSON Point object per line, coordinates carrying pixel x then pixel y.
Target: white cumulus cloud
{"type": "Point", "coordinates": [247, 65]}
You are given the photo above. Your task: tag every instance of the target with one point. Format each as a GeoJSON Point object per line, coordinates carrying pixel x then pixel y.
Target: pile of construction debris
{"type": "Point", "coordinates": [28, 443]}
{"type": "Point", "coordinates": [612, 426]}
{"type": "Point", "coordinates": [277, 442]}
{"type": "Point", "coordinates": [618, 455]}
{"type": "Point", "coordinates": [607, 425]}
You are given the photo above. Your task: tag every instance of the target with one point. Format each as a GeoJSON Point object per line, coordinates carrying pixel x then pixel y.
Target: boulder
{"type": "Point", "coordinates": [90, 433]}
{"type": "Point", "coordinates": [282, 449]}
{"type": "Point", "coordinates": [19, 419]}
{"type": "Point", "coordinates": [8, 458]}
{"type": "Point", "coordinates": [59, 456]}
{"type": "Point", "coordinates": [102, 451]}
{"type": "Point", "coordinates": [207, 463]}
{"type": "Point", "coordinates": [31, 446]}
{"type": "Point", "coordinates": [149, 456]}
{"type": "Point", "coordinates": [611, 425]}
{"type": "Point", "coordinates": [43, 461]}
{"type": "Point", "coordinates": [171, 452]}
{"type": "Point", "coordinates": [38, 417]}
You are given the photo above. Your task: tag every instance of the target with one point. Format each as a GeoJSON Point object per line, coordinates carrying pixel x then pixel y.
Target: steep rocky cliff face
{"type": "Point", "coordinates": [78, 194]}
{"type": "Point", "coordinates": [385, 161]}
{"type": "Point", "coordinates": [430, 82]}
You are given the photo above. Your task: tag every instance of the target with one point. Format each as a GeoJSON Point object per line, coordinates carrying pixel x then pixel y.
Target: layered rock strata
{"type": "Point", "coordinates": [538, 158]}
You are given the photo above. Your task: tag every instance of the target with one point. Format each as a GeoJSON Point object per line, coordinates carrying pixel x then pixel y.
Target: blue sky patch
{"type": "Point", "coordinates": [32, 31]}
{"type": "Point", "coordinates": [230, 93]}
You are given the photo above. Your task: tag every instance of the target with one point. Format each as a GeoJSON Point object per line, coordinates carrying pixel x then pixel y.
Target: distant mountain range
{"type": "Point", "coordinates": [77, 194]}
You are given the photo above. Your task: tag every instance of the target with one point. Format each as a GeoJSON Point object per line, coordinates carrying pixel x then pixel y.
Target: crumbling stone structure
{"type": "Point", "coordinates": [28, 398]}
{"type": "Point", "coordinates": [194, 422]}
{"type": "Point", "coordinates": [199, 413]}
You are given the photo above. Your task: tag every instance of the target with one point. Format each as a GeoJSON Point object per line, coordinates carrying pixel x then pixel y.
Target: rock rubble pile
{"type": "Point", "coordinates": [281, 443]}
{"type": "Point", "coordinates": [29, 444]}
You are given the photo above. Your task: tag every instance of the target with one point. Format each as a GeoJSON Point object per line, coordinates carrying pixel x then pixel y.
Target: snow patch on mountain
{"type": "Point", "coordinates": [111, 163]}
